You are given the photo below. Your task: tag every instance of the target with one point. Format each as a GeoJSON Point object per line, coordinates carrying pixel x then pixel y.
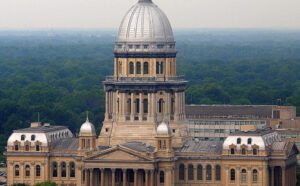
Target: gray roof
{"type": "Point", "coordinates": [233, 111]}
{"type": "Point", "coordinates": [257, 132]}
{"type": "Point", "coordinates": [66, 145]}
{"type": "Point", "coordinates": [279, 145]}
{"type": "Point", "coordinates": [211, 147]}
{"type": "Point", "coordinates": [139, 146]}
{"type": "Point", "coordinates": [41, 129]}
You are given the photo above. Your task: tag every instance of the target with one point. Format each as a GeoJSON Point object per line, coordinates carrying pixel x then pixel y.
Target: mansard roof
{"type": "Point", "coordinates": [65, 146]}
{"type": "Point", "coordinates": [210, 147]}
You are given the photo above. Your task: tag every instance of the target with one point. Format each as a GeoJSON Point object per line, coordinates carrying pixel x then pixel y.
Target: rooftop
{"type": "Point", "coordinates": [41, 129]}
{"type": "Point", "coordinates": [258, 132]}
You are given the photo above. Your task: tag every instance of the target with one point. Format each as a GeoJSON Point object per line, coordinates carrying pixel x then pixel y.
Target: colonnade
{"type": "Point", "coordinates": [131, 106]}
{"type": "Point", "coordinates": [118, 177]}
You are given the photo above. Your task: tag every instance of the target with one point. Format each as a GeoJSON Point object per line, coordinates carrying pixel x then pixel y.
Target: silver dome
{"type": "Point", "coordinates": [87, 129]}
{"type": "Point", "coordinates": [163, 129]}
{"type": "Point", "coordinates": [145, 26]}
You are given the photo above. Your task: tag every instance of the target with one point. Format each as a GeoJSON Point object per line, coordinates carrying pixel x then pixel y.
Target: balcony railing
{"type": "Point", "coordinates": [144, 79]}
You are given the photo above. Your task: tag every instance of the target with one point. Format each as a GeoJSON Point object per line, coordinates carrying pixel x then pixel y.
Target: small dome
{"type": "Point", "coordinates": [87, 129]}
{"type": "Point", "coordinates": [163, 129]}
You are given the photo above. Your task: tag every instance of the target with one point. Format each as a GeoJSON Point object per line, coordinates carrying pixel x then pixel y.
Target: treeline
{"type": "Point", "coordinates": [59, 74]}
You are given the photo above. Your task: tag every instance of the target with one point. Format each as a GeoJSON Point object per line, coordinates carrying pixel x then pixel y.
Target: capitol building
{"type": "Point", "coordinates": [145, 140]}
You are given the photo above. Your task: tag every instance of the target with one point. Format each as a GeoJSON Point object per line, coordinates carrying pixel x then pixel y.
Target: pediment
{"type": "Point", "coordinates": [118, 154]}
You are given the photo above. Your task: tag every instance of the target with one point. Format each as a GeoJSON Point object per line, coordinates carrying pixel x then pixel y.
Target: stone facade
{"type": "Point", "coordinates": [144, 140]}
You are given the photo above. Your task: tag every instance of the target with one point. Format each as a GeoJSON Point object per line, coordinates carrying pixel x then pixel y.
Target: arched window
{"type": "Point", "coordinates": [63, 169]}
{"type": "Point", "coordinates": [37, 147]}
{"type": "Point", "coordinates": [157, 67]}
{"type": "Point", "coordinates": [208, 172]}
{"type": "Point", "coordinates": [38, 171]}
{"type": "Point", "coordinates": [160, 105]}
{"type": "Point", "coordinates": [131, 68]}
{"type": "Point", "coordinates": [243, 151]}
{"type": "Point", "coordinates": [27, 170]}
{"type": "Point", "coordinates": [146, 68]}
{"type": "Point", "coordinates": [23, 137]}
{"type": "Point", "coordinates": [138, 68]}
{"type": "Point", "coordinates": [218, 173]}
{"type": "Point", "coordinates": [161, 68]}
{"type": "Point", "coordinates": [232, 175]}
{"type": "Point", "coordinates": [232, 151]}
{"type": "Point", "coordinates": [54, 169]}
{"type": "Point", "coordinates": [172, 105]}
{"type": "Point", "coordinates": [145, 104]}
{"type": "Point", "coordinates": [254, 175]}
{"type": "Point", "coordinates": [191, 172]}
{"type": "Point", "coordinates": [199, 172]}
{"type": "Point", "coordinates": [72, 170]}
{"type": "Point", "coordinates": [32, 137]}
{"type": "Point", "coordinates": [181, 172]}
{"type": "Point", "coordinates": [238, 141]}
{"type": "Point", "coordinates": [254, 151]}
{"type": "Point", "coordinates": [244, 175]}
{"type": "Point", "coordinates": [137, 105]}
{"type": "Point", "coordinates": [161, 177]}
{"type": "Point", "coordinates": [17, 170]}
{"type": "Point", "coordinates": [249, 141]}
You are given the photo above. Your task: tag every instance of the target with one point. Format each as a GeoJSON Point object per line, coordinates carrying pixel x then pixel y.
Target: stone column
{"type": "Point", "coordinates": [151, 177]}
{"type": "Point", "coordinates": [132, 108]}
{"type": "Point", "coordinates": [141, 106]}
{"type": "Point", "coordinates": [149, 107]}
{"type": "Point", "coordinates": [102, 177]}
{"type": "Point", "coordinates": [186, 173]}
{"type": "Point", "coordinates": [113, 179]}
{"type": "Point", "coordinates": [135, 182]}
{"type": "Point", "coordinates": [176, 106]}
{"type": "Point", "coordinates": [106, 105]}
{"type": "Point", "coordinates": [91, 177]}
{"type": "Point", "coordinates": [154, 106]}
{"type": "Point", "coordinates": [146, 178]}
{"type": "Point", "coordinates": [124, 177]}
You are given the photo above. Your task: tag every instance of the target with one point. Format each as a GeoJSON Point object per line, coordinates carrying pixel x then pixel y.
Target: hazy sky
{"type": "Point", "coordinates": [28, 14]}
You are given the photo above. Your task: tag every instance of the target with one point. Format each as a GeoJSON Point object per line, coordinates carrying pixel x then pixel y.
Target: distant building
{"type": "Point", "coordinates": [215, 122]}
{"type": "Point", "coordinates": [145, 140]}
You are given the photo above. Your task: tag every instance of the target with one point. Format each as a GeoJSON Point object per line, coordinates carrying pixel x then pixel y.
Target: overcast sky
{"type": "Point", "coordinates": [28, 14]}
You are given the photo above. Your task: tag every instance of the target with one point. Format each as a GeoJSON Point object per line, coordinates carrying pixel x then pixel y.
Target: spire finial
{"type": "Point", "coordinates": [87, 116]}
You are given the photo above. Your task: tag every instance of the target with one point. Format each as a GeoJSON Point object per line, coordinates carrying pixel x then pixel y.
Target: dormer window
{"type": "Point", "coordinates": [254, 151]}
{"type": "Point", "coordinates": [249, 141]}
{"type": "Point", "coordinates": [26, 147]}
{"type": "Point", "coordinates": [32, 137]}
{"type": "Point", "coordinates": [23, 137]}
{"type": "Point", "coordinates": [232, 151]}
{"type": "Point", "coordinates": [16, 147]}
{"type": "Point", "coordinates": [243, 151]}
{"type": "Point", "coordinates": [238, 141]}
{"type": "Point", "coordinates": [37, 148]}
